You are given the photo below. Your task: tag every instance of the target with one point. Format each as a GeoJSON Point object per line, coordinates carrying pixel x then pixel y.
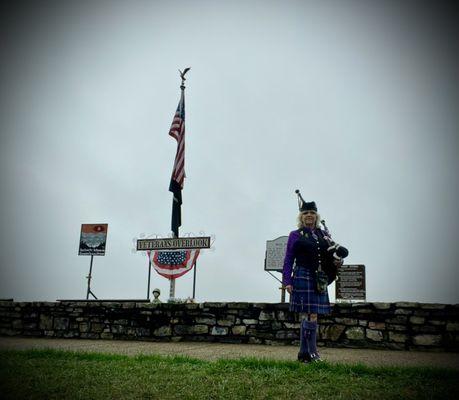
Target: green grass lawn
{"type": "Point", "coordinates": [50, 374]}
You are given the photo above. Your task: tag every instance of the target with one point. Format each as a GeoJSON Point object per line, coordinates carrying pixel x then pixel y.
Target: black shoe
{"type": "Point", "coordinates": [315, 357]}
{"type": "Point", "coordinates": [304, 358]}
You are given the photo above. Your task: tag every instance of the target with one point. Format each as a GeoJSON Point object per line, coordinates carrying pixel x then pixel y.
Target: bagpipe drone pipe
{"type": "Point", "coordinates": [335, 252]}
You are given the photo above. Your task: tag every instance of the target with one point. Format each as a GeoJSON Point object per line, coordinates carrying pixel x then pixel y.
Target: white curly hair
{"type": "Point", "coordinates": [300, 222]}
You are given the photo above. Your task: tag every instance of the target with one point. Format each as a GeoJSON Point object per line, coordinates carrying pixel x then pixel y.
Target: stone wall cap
{"type": "Point", "coordinates": [341, 304]}
{"type": "Point", "coordinates": [192, 306]}
{"type": "Point", "coordinates": [282, 306]}
{"type": "Point", "coordinates": [239, 305]}
{"type": "Point", "coordinates": [432, 306]}
{"type": "Point", "coordinates": [211, 304]}
{"type": "Point", "coordinates": [113, 304]}
{"type": "Point", "coordinates": [80, 304]}
{"type": "Point", "coordinates": [142, 304]}
{"type": "Point", "coordinates": [260, 305]}
{"type": "Point", "coordinates": [360, 305]}
{"type": "Point", "coordinates": [407, 304]}
{"type": "Point", "coordinates": [382, 306]}
{"type": "Point", "coordinates": [43, 304]}
{"type": "Point", "coordinates": [104, 300]}
{"type": "Point", "coordinates": [77, 303]}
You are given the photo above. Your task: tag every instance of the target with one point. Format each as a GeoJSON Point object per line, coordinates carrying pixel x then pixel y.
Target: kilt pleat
{"type": "Point", "coordinates": [304, 297]}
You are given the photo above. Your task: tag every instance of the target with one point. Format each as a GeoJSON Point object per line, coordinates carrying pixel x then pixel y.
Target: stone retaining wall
{"type": "Point", "coordinates": [403, 325]}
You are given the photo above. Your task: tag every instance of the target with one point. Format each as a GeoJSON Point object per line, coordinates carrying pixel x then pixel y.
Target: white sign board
{"type": "Point", "coordinates": [202, 242]}
{"type": "Point", "coordinates": [275, 253]}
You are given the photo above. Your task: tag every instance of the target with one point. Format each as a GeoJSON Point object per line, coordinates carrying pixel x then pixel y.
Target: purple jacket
{"type": "Point", "coordinates": [308, 251]}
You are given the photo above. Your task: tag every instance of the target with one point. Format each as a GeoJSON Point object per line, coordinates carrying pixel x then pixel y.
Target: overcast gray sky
{"type": "Point", "coordinates": [354, 103]}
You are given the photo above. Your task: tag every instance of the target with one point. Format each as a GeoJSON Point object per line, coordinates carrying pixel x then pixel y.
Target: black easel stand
{"type": "Point", "coordinates": [89, 281]}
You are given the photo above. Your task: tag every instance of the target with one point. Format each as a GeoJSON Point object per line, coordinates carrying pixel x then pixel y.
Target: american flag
{"type": "Point", "coordinates": [173, 264]}
{"type": "Point", "coordinates": [177, 131]}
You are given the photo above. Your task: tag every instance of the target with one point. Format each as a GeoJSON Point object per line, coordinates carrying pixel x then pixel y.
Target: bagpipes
{"type": "Point", "coordinates": [334, 250]}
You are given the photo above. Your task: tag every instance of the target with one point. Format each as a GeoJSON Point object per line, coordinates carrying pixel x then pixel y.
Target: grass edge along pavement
{"type": "Point", "coordinates": [57, 374]}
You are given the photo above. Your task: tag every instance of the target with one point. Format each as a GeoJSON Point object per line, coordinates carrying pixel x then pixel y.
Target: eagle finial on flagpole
{"type": "Point", "coordinates": [182, 75]}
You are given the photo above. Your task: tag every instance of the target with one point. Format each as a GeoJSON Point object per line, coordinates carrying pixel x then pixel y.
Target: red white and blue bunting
{"type": "Point", "coordinates": [173, 264]}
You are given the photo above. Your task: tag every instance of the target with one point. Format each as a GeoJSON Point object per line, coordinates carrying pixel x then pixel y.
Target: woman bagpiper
{"type": "Point", "coordinates": [310, 248]}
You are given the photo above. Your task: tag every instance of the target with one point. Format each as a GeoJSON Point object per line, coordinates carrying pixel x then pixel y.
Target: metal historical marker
{"type": "Point", "coordinates": [274, 260]}
{"type": "Point", "coordinates": [275, 254]}
{"type": "Point", "coordinates": [350, 284]}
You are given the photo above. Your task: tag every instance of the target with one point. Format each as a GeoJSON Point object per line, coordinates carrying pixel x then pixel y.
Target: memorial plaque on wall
{"type": "Point", "coordinates": [350, 284]}
{"type": "Point", "coordinates": [275, 254]}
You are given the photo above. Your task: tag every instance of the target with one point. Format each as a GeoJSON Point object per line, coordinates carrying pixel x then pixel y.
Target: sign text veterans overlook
{"type": "Point", "coordinates": [202, 242]}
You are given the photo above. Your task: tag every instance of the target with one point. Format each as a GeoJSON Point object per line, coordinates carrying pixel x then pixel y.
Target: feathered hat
{"type": "Point", "coordinates": [303, 205]}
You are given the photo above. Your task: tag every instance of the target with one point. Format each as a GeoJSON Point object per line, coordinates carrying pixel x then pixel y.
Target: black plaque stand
{"type": "Point", "coordinates": [89, 280]}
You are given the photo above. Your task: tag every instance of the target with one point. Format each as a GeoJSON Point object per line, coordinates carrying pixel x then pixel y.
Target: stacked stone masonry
{"type": "Point", "coordinates": [401, 326]}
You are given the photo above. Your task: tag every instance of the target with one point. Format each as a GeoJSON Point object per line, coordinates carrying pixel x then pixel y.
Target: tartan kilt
{"type": "Point", "coordinates": [304, 297]}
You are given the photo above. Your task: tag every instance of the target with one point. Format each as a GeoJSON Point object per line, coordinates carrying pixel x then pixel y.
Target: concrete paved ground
{"type": "Point", "coordinates": [214, 351]}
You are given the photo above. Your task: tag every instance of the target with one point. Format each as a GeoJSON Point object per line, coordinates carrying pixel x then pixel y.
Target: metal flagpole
{"type": "Point", "coordinates": [172, 289]}
{"type": "Point", "coordinates": [176, 234]}
{"type": "Point", "coordinates": [194, 279]}
{"type": "Point", "coordinates": [172, 280]}
{"type": "Point", "coordinates": [149, 275]}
